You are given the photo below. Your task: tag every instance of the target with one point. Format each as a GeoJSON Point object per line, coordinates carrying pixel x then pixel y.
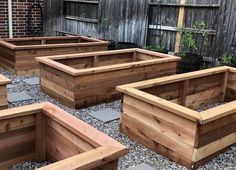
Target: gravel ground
{"type": "Point", "coordinates": [138, 153]}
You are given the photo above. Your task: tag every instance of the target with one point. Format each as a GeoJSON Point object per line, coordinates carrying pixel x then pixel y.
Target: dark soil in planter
{"type": "Point", "coordinates": [210, 106]}
{"type": "Point", "coordinates": [165, 51]}
{"type": "Point", "coordinates": [27, 165]}
{"type": "Point", "coordinates": [125, 45]}
{"type": "Point", "coordinates": [111, 45]}
{"type": "Point", "coordinates": [189, 63]}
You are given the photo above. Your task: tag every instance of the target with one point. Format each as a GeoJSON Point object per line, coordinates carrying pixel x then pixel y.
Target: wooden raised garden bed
{"type": "Point", "coordinates": [3, 92]}
{"type": "Point", "coordinates": [44, 132]}
{"type": "Point", "coordinates": [166, 114]}
{"type": "Point", "coordinates": [18, 54]}
{"type": "Point", "coordinates": [81, 80]}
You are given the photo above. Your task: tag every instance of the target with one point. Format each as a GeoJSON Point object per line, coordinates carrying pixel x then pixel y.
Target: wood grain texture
{"type": "Point", "coordinates": [231, 87]}
{"type": "Point", "coordinates": [18, 55]}
{"type": "Point", "coordinates": [137, 21]}
{"type": "Point", "coordinates": [44, 132]}
{"type": "Point", "coordinates": [152, 114]}
{"type": "Point", "coordinates": [74, 81]}
{"type": "Point", "coordinates": [3, 92]}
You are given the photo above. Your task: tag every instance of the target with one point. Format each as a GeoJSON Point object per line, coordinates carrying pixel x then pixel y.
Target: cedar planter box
{"type": "Point", "coordinates": [3, 92]}
{"type": "Point", "coordinates": [81, 80]}
{"type": "Point", "coordinates": [44, 132]}
{"type": "Point", "coordinates": [18, 54]}
{"type": "Point", "coordinates": [164, 114]}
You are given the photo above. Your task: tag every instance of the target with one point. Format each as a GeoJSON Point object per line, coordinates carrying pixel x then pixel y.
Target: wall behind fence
{"type": "Point", "coordinates": [19, 16]}
{"type": "Point", "coordinates": [136, 21]}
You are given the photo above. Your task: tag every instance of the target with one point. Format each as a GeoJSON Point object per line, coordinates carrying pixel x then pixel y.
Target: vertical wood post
{"type": "Point", "coordinates": [184, 92]}
{"type": "Point", "coordinates": [180, 24]}
{"type": "Point", "coordinates": [43, 42]}
{"type": "Point", "coordinates": [135, 56]}
{"type": "Point", "coordinates": [40, 128]}
{"type": "Point", "coordinates": [95, 61]}
{"type": "Point", "coordinates": [225, 82]}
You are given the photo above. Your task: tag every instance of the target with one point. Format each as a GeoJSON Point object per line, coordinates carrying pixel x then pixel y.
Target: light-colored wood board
{"type": "Point", "coordinates": [86, 160]}
{"type": "Point", "coordinates": [213, 147]}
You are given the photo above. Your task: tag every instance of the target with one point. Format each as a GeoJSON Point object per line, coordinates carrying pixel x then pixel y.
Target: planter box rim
{"type": "Point", "coordinates": [7, 42]}
{"type": "Point", "coordinates": [134, 90]}
{"type": "Point", "coordinates": [4, 80]}
{"type": "Point", "coordinates": [50, 60]}
{"type": "Point", "coordinates": [18, 55]}
{"type": "Point", "coordinates": [104, 148]}
{"type": "Point", "coordinates": [175, 78]}
{"type": "Point", "coordinates": [71, 122]}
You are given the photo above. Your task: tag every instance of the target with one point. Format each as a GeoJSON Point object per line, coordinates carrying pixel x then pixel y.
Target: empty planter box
{"type": "Point", "coordinates": [81, 80]}
{"type": "Point", "coordinates": [18, 54]}
{"type": "Point", "coordinates": [3, 92]}
{"type": "Point", "coordinates": [189, 118]}
{"type": "Point", "coordinates": [44, 132]}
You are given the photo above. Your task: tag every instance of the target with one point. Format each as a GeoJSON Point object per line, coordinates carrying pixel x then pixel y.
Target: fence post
{"type": "Point", "coordinates": [180, 24]}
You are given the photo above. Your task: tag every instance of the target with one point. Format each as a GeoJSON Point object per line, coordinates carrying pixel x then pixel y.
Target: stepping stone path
{"type": "Point", "coordinates": [105, 115]}
{"type": "Point", "coordinates": [32, 81]}
{"type": "Point", "coordinates": [18, 96]}
{"type": "Point", "coordinates": [142, 167]}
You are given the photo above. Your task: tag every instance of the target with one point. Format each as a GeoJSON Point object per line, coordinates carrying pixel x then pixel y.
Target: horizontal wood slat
{"type": "Point", "coordinates": [159, 114]}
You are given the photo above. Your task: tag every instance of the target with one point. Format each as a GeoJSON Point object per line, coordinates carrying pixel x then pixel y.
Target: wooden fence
{"type": "Point", "coordinates": [139, 21]}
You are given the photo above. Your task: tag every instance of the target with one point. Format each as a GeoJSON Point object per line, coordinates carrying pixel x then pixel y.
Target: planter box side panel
{"type": "Point", "coordinates": [193, 93]}
{"type": "Point", "coordinates": [61, 41]}
{"type": "Point", "coordinates": [170, 92]}
{"type": "Point", "coordinates": [100, 87]}
{"type": "Point", "coordinates": [116, 59]}
{"type": "Point", "coordinates": [108, 166]}
{"type": "Point", "coordinates": [143, 56]}
{"type": "Point", "coordinates": [19, 42]}
{"type": "Point", "coordinates": [57, 84]}
{"type": "Point", "coordinates": [231, 87]}
{"type": "Point", "coordinates": [205, 90]}
{"type": "Point", "coordinates": [215, 130]}
{"type": "Point", "coordinates": [158, 129]}
{"type": "Point", "coordinates": [78, 63]}
{"type": "Point", "coordinates": [7, 59]}
{"type": "Point", "coordinates": [62, 144]}
{"type": "Point", "coordinates": [3, 97]}
{"type": "Point", "coordinates": [214, 137]}
{"type": "Point", "coordinates": [17, 140]}
{"type": "Point", "coordinates": [26, 63]}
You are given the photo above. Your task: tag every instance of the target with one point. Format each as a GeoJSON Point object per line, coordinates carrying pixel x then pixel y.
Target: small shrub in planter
{"type": "Point", "coordinates": [190, 61]}
{"type": "Point", "coordinates": [125, 45]}
{"type": "Point", "coordinates": [157, 49]}
{"type": "Point", "coordinates": [227, 60]}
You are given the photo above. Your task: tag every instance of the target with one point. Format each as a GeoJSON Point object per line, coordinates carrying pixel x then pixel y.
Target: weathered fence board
{"type": "Point", "coordinates": [135, 21]}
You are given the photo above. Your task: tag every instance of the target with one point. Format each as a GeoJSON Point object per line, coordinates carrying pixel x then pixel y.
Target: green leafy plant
{"type": "Point", "coordinates": [227, 59]}
{"type": "Point", "coordinates": [105, 23]}
{"type": "Point", "coordinates": [201, 28]}
{"type": "Point", "coordinates": [105, 26]}
{"type": "Point", "coordinates": [188, 40]}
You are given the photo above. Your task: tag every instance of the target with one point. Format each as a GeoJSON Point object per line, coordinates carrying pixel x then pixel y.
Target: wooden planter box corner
{"type": "Point", "coordinates": [17, 55]}
{"type": "Point", "coordinates": [3, 92]}
{"type": "Point", "coordinates": [45, 132]}
{"type": "Point", "coordinates": [164, 114]}
{"type": "Point", "coordinates": [82, 80]}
